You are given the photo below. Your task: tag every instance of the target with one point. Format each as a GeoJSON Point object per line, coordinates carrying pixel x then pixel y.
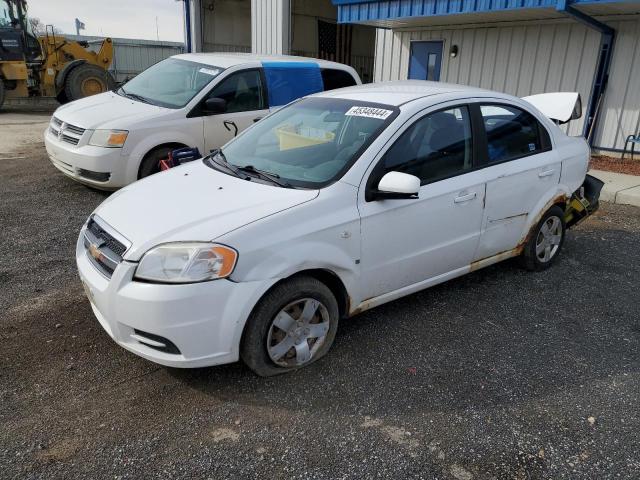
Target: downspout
{"type": "Point", "coordinates": [187, 24]}
{"type": "Point", "coordinates": [602, 68]}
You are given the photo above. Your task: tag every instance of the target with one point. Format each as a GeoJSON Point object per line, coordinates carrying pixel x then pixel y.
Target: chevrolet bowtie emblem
{"type": "Point", "coordinates": [95, 252]}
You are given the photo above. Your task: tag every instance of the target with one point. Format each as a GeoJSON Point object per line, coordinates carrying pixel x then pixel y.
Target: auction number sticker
{"type": "Point", "coordinates": [370, 112]}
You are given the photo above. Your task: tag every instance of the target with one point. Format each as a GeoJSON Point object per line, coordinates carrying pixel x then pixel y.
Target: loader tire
{"type": "Point", "coordinates": [85, 80]}
{"type": "Point", "coordinates": [2, 93]}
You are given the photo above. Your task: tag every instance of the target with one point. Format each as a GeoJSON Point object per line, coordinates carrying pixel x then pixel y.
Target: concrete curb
{"type": "Point", "coordinates": [619, 188]}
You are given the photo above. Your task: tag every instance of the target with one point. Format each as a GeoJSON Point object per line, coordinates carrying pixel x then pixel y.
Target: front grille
{"type": "Point", "coordinates": [65, 131]}
{"type": "Point", "coordinates": [95, 176]}
{"type": "Point", "coordinates": [68, 139]}
{"type": "Point", "coordinates": [103, 249]}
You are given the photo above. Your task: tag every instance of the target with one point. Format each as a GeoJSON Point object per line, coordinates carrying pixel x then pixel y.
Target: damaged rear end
{"type": "Point", "coordinates": [584, 201]}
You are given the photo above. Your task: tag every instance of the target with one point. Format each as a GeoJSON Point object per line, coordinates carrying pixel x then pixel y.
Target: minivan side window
{"type": "Point", "coordinates": [512, 133]}
{"type": "Point", "coordinates": [435, 147]}
{"type": "Point", "coordinates": [243, 91]}
{"type": "Point", "coordinates": [334, 78]}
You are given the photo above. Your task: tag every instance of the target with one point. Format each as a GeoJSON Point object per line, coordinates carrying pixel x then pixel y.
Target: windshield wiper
{"type": "Point", "coordinates": [272, 177]}
{"type": "Point", "coordinates": [222, 162]}
{"type": "Point", "coordinates": [135, 96]}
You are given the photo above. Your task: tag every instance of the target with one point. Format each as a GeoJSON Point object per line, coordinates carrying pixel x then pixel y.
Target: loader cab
{"type": "Point", "coordinates": [17, 39]}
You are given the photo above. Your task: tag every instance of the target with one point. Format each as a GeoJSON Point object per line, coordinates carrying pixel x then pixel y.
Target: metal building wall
{"type": "Point", "coordinates": [131, 56]}
{"type": "Point", "coordinates": [270, 26]}
{"type": "Point", "coordinates": [520, 59]}
{"type": "Point", "coordinates": [620, 111]}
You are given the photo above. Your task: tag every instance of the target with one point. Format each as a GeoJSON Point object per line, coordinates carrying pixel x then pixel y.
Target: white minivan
{"type": "Point", "coordinates": [332, 205]}
{"type": "Point", "coordinates": [198, 100]}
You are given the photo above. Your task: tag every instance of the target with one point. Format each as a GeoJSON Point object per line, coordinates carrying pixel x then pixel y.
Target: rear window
{"type": "Point", "coordinates": [333, 78]}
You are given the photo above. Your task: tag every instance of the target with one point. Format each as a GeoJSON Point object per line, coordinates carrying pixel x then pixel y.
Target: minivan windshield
{"type": "Point", "coordinates": [310, 143]}
{"type": "Point", "coordinates": [170, 83]}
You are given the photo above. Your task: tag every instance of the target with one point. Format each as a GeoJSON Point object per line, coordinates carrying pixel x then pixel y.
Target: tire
{"type": "Point", "coordinates": [151, 162]}
{"type": "Point", "coordinates": [265, 340]}
{"type": "Point", "coordinates": [542, 249]}
{"type": "Point", "coordinates": [85, 80]}
{"type": "Point", "coordinates": [62, 97]}
{"type": "Point", "coordinates": [2, 93]}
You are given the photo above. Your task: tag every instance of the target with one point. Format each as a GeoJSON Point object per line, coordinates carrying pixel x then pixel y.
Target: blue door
{"type": "Point", "coordinates": [425, 62]}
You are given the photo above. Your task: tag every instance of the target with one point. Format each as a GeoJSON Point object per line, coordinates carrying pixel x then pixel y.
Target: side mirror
{"type": "Point", "coordinates": [398, 185]}
{"type": "Point", "coordinates": [215, 105]}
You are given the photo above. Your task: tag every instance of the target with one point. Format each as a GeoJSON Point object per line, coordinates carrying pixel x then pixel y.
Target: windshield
{"type": "Point", "coordinates": [311, 142]}
{"type": "Point", "coordinates": [170, 83]}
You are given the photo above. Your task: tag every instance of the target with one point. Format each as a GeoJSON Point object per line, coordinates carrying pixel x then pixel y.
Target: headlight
{"type": "Point", "coordinates": [187, 263]}
{"type": "Point", "coordinates": [108, 138]}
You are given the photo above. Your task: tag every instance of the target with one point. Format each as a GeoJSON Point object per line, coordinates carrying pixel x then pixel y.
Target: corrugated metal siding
{"type": "Point", "coordinates": [270, 26]}
{"type": "Point", "coordinates": [620, 111]}
{"type": "Point", "coordinates": [131, 56]}
{"type": "Point", "coordinates": [521, 59]}
{"type": "Point", "coordinates": [394, 9]}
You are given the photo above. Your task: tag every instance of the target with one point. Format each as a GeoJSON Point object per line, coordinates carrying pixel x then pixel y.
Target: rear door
{"type": "Point", "coordinates": [246, 100]}
{"type": "Point", "coordinates": [520, 167]}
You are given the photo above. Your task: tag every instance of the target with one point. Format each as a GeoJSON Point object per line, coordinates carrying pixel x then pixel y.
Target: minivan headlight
{"type": "Point", "coordinates": [108, 138]}
{"type": "Point", "coordinates": [186, 262]}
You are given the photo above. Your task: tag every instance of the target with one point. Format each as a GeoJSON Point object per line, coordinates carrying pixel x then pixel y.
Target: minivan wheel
{"type": "Point", "coordinates": [151, 161]}
{"type": "Point", "coordinates": [291, 327]}
{"type": "Point", "coordinates": [546, 240]}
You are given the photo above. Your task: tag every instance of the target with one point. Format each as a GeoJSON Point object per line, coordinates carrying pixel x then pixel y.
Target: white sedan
{"type": "Point", "coordinates": [335, 204]}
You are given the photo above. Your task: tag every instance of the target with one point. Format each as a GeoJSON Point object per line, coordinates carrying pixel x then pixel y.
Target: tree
{"type": "Point", "coordinates": [39, 28]}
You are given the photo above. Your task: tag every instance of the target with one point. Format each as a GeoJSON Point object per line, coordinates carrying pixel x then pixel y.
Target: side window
{"type": "Point", "coordinates": [435, 147]}
{"type": "Point", "coordinates": [332, 78]}
{"type": "Point", "coordinates": [242, 91]}
{"type": "Point", "coordinates": [512, 133]}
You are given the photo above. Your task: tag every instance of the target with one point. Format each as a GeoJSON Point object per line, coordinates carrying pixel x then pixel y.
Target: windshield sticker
{"type": "Point", "coordinates": [532, 147]}
{"type": "Point", "coordinates": [369, 112]}
{"type": "Point", "coordinates": [209, 71]}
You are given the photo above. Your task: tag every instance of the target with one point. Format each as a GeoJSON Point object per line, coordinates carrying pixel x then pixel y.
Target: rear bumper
{"type": "Point", "coordinates": [584, 202]}
{"type": "Point", "coordinates": [98, 167]}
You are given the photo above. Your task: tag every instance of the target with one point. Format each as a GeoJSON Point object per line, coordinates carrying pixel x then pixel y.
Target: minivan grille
{"type": "Point", "coordinates": [66, 132]}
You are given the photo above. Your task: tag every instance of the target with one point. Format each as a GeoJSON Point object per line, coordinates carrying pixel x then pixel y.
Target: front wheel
{"type": "Point", "coordinates": [545, 241]}
{"type": "Point", "coordinates": [292, 326]}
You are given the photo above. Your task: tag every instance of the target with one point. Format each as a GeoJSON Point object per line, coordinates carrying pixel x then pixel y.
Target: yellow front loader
{"type": "Point", "coordinates": [48, 65]}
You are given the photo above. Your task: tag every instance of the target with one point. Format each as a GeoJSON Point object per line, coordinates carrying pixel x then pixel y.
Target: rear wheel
{"type": "Point", "coordinates": [546, 240]}
{"type": "Point", "coordinates": [85, 80]}
{"type": "Point", "coordinates": [293, 326]}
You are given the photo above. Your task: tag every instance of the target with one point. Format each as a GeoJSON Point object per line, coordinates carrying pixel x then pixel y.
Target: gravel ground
{"type": "Point", "coordinates": [501, 374]}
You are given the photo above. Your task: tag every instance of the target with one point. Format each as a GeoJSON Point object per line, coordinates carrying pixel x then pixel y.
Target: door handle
{"type": "Point", "coordinates": [465, 198]}
{"type": "Point", "coordinates": [547, 173]}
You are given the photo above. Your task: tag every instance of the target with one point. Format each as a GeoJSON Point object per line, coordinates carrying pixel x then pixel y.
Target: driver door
{"type": "Point", "coordinates": [408, 241]}
{"type": "Point", "coordinates": [247, 103]}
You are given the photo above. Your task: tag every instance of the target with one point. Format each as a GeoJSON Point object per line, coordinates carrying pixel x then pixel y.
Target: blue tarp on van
{"type": "Point", "coordinates": [287, 81]}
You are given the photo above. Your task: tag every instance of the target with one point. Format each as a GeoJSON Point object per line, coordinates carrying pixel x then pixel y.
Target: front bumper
{"type": "Point", "coordinates": [99, 167]}
{"type": "Point", "coordinates": [204, 321]}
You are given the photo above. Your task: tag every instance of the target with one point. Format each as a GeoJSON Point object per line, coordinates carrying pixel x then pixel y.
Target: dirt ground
{"type": "Point", "coordinates": [611, 164]}
{"type": "Point", "coordinates": [501, 374]}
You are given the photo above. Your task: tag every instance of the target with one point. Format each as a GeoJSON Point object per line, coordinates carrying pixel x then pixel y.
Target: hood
{"type": "Point", "coordinates": [107, 110]}
{"type": "Point", "coordinates": [191, 203]}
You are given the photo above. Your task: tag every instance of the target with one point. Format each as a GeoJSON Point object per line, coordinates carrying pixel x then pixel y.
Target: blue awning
{"type": "Point", "coordinates": [402, 13]}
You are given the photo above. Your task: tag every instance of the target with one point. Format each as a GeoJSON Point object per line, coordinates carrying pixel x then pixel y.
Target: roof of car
{"type": "Point", "coordinates": [400, 92]}
{"type": "Point", "coordinates": [231, 59]}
